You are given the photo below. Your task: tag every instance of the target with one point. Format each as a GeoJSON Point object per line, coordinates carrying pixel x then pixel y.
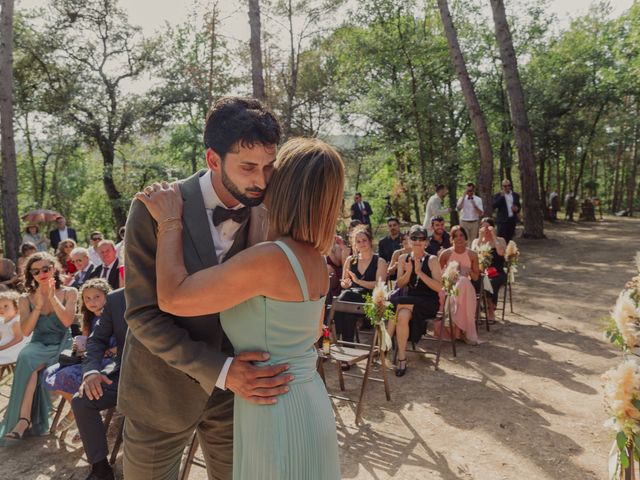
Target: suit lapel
{"type": "Point", "coordinates": [195, 221]}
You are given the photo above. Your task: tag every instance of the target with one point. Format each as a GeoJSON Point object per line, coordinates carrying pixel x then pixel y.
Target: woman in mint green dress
{"type": "Point", "coordinates": [271, 298]}
{"type": "Point", "coordinates": [46, 313]}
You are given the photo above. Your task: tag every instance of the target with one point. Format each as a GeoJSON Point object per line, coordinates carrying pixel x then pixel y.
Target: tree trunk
{"type": "Point", "coordinates": [115, 198]}
{"type": "Point", "coordinates": [9, 182]}
{"type": "Point", "coordinates": [633, 173]}
{"type": "Point", "coordinates": [587, 147]}
{"type": "Point", "coordinates": [533, 219]}
{"type": "Point", "coordinates": [257, 78]}
{"type": "Point", "coordinates": [292, 85]}
{"type": "Point", "coordinates": [212, 49]}
{"type": "Point", "coordinates": [485, 176]}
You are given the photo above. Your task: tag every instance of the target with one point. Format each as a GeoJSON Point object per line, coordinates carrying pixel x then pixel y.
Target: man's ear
{"type": "Point", "coordinates": [214, 162]}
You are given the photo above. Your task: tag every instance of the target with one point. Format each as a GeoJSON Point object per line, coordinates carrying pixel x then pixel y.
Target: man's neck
{"type": "Point", "coordinates": [393, 237]}
{"type": "Point", "coordinates": [62, 229]}
{"type": "Point", "coordinates": [437, 237]}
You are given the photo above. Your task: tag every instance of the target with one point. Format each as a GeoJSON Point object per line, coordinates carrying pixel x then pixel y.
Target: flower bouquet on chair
{"type": "Point", "coordinates": [485, 259]}
{"type": "Point", "coordinates": [379, 309]}
{"type": "Point", "coordinates": [511, 260]}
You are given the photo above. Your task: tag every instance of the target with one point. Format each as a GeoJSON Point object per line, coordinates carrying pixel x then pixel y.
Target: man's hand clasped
{"type": "Point", "coordinates": [260, 385]}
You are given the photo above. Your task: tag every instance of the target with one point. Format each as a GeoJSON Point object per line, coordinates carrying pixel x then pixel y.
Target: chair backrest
{"type": "Point", "coordinates": [345, 307]}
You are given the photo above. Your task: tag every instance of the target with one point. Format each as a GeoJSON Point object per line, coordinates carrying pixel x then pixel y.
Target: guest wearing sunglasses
{"type": "Point", "coordinates": [420, 273]}
{"type": "Point", "coordinates": [94, 239]}
{"type": "Point", "coordinates": [47, 311]}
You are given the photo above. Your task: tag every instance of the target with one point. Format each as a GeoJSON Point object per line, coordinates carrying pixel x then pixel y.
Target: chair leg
{"type": "Point", "coordinates": [107, 418]}
{"type": "Point", "coordinates": [320, 369]}
{"type": "Point", "coordinates": [486, 309]}
{"type": "Point", "coordinates": [453, 334]}
{"type": "Point", "coordinates": [510, 298]}
{"type": "Point", "coordinates": [3, 368]}
{"type": "Point", "coordinates": [383, 366]}
{"type": "Point", "coordinates": [504, 300]}
{"type": "Point", "coordinates": [188, 461]}
{"type": "Point", "coordinates": [116, 445]}
{"type": "Point", "coordinates": [56, 418]}
{"type": "Point", "coordinates": [365, 380]}
{"type": "Point", "coordinates": [340, 376]}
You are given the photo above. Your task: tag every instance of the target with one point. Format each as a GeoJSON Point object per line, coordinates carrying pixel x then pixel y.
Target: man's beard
{"type": "Point", "coordinates": [238, 195]}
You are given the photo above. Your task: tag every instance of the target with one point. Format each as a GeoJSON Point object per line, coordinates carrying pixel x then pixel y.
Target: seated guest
{"type": "Point", "coordinates": [47, 310]}
{"type": "Point", "coordinates": [63, 254]}
{"type": "Point", "coordinates": [26, 250]}
{"type": "Point", "coordinates": [109, 266]}
{"type": "Point", "coordinates": [391, 242]}
{"type": "Point", "coordinates": [8, 276]}
{"type": "Point", "coordinates": [463, 306]}
{"type": "Point", "coordinates": [360, 273]}
{"type": "Point", "coordinates": [94, 239]}
{"type": "Point", "coordinates": [65, 381]}
{"type": "Point", "coordinates": [420, 273]}
{"type": "Point", "coordinates": [120, 244]}
{"type": "Point", "coordinates": [31, 235]}
{"type": "Point", "coordinates": [495, 272]}
{"type": "Point", "coordinates": [405, 247]}
{"type": "Point", "coordinates": [335, 260]}
{"type": "Point", "coordinates": [80, 258]}
{"type": "Point", "coordinates": [11, 338]}
{"type": "Point", "coordinates": [439, 240]}
{"type": "Point", "coordinates": [99, 389]}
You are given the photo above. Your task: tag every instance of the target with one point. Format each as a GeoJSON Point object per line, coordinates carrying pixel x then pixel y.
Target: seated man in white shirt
{"type": "Point", "coordinates": [470, 206]}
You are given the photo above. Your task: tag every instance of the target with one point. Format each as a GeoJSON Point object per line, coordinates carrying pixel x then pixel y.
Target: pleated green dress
{"type": "Point", "coordinates": [48, 339]}
{"type": "Point", "coordinates": [295, 439]}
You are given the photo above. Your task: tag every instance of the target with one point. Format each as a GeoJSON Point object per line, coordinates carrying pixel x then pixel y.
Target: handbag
{"type": "Point", "coordinates": [68, 357]}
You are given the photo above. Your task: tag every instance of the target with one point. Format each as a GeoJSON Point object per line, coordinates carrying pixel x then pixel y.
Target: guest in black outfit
{"type": "Point", "coordinates": [360, 273]}
{"type": "Point", "coordinates": [391, 242]}
{"type": "Point", "coordinates": [99, 389]}
{"type": "Point", "coordinates": [507, 202]}
{"type": "Point", "coordinates": [361, 210]}
{"type": "Point", "coordinates": [440, 239]}
{"type": "Point", "coordinates": [61, 233]}
{"type": "Point", "coordinates": [420, 273]}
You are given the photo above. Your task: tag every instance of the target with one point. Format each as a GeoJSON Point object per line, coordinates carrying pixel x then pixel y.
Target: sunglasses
{"type": "Point", "coordinates": [95, 239]}
{"type": "Point", "coordinates": [36, 271]}
{"type": "Point", "coordinates": [418, 239]}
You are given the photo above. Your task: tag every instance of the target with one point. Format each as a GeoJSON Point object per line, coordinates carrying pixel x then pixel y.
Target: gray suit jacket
{"type": "Point", "coordinates": [170, 364]}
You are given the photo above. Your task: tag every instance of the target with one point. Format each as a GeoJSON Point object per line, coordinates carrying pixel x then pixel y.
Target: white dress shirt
{"type": "Point", "coordinates": [223, 235]}
{"type": "Point", "coordinates": [509, 199]}
{"type": "Point", "coordinates": [469, 213]}
{"type": "Point", "coordinates": [94, 257]}
{"type": "Point", "coordinates": [434, 208]}
{"type": "Point", "coordinates": [64, 234]}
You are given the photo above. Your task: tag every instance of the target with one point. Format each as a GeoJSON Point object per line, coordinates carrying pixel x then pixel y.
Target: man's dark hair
{"type": "Point", "coordinates": [471, 184]}
{"type": "Point", "coordinates": [439, 187]}
{"type": "Point", "coordinates": [393, 219]}
{"type": "Point", "coordinates": [358, 194]}
{"type": "Point", "coordinates": [437, 218]}
{"type": "Point", "coordinates": [239, 120]}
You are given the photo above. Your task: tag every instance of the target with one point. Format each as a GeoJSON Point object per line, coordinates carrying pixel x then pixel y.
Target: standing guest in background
{"type": "Point", "coordinates": [26, 250]}
{"type": "Point", "coordinates": [12, 341]}
{"type": "Point", "coordinates": [391, 242]}
{"type": "Point", "coordinates": [80, 258]}
{"type": "Point", "coordinates": [439, 239]}
{"type": "Point", "coordinates": [507, 202]}
{"type": "Point", "coordinates": [435, 207]}
{"type": "Point", "coordinates": [470, 206]}
{"type": "Point", "coordinates": [31, 235]}
{"type": "Point", "coordinates": [120, 245]}
{"type": "Point", "coordinates": [335, 260]}
{"type": "Point", "coordinates": [109, 263]}
{"type": "Point", "coordinates": [94, 239]}
{"type": "Point", "coordinates": [61, 233]}
{"type": "Point", "coordinates": [392, 269]}
{"type": "Point", "coordinates": [361, 210]}
{"type": "Point", "coordinates": [99, 389]}
{"type": "Point", "coordinates": [63, 254]}
{"type": "Point", "coordinates": [554, 204]}
{"type": "Point", "coordinates": [47, 310]}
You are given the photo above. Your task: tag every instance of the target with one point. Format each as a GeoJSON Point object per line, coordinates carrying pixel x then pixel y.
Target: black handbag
{"type": "Point", "coordinates": [68, 357]}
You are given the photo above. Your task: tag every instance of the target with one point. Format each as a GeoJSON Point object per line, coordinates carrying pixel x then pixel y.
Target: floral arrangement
{"type": "Point", "coordinates": [633, 285]}
{"type": "Point", "coordinates": [622, 403]}
{"type": "Point", "coordinates": [378, 309]}
{"type": "Point", "coordinates": [623, 328]}
{"type": "Point", "coordinates": [450, 279]}
{"type": "Point", "coordinates": [485, 257]}
{"type": "Point", "coordinates": [511, 260]}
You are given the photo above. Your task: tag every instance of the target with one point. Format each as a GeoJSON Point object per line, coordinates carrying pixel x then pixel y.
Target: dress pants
{"type": "Point", "coordinates": [89, 421]}
{"type": "Point", "coordinates": [507, 229]}
{"type": "Point", "coordinates": [471, 227]}
{"type": "Point", "coordinates": [152, 454]}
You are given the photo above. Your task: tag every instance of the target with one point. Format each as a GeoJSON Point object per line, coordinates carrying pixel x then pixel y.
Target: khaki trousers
{"type": "Point", "coordinates": [151, 454]}
{"type": "Point", "coordinates": [471, 229]}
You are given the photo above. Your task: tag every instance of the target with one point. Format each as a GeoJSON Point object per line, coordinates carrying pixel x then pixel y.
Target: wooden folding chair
{"type": "Point", "coordinates": [56, 417]}
{"type": "Point", "coordinates": [481, 304]}
{"type": "Point", "coordinates": [507, 287]}
{"type": "Point", "coordinates": [118, 442]}
{"type": "Point", "coordinates": [190, 458]}
{"type": "Point", "coordinates": [7, 369]}
{"type": "Point", "coordinates": [351, 353]}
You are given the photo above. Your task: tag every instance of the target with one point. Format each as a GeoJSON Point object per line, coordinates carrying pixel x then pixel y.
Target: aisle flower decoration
{"type": "Point", "coordinates": [623, 328]}
{"type": "Point", "coordinates": [379, 309]}
{"type": "Point", "coordinates": [450, 279]}
{"type": "Point", "coordinates": [511, 260]}
{"type": "Point", "coordinates": [633, 285]}
{"type": "Point", "coordinates": [622, 404]}
{"type": "Point", "coordinates": [485, 257]}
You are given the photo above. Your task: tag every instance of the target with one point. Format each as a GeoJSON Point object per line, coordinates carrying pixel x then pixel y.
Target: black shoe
{"type": "Point", "coordinates": [105, 475]}
{"type": "Point", "coordinates": [400, 371]}
{"type": "Point", "coordinates": [344, 366]}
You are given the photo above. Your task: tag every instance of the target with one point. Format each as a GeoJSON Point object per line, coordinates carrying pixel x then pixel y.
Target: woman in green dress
{"type": "Point", "coordinates": [271, 298]}
{"type": "Point", "coordinates": [46, 312]}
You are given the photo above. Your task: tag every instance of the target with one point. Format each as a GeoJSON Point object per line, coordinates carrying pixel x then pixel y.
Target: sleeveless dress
{"type": "Point", "coordinates": [295, 439]}
{"type": "Point", "coordinates": [48, 339]}
{"type": "Point", "coordinates": [463, 307]}
{"type": "Point", "coordinates": [10, 355]}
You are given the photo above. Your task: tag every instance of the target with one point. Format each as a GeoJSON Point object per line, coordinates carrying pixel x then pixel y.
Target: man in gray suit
{"type": "Point", "coordinates": [178, 374]}
{"type": "Point", "coordinates": [99, 387]}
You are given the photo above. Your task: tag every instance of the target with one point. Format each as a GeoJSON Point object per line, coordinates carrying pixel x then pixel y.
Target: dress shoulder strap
{"type": "Point", "coordinates": [297, 268]}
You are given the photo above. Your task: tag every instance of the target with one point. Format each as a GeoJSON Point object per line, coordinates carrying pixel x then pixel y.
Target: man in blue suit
{"type": "Point", "coordinates": [61, 233]}
{"type": "Point", "coordinates": [507, 202]}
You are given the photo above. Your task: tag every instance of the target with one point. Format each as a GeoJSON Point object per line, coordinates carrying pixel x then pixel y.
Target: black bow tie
{"type": "Point", "coordinates": [221, 214]}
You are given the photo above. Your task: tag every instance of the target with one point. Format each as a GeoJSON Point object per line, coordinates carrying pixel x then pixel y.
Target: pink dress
{"type": "Point", "coordinates": [463, 307]}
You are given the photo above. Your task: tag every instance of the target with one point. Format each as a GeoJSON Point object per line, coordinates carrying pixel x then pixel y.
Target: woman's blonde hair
{"type": "Point", "coordinates": [305, 192]}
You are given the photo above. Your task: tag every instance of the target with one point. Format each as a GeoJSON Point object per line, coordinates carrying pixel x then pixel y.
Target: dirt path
{"type": "Point", "coordinates": [525, 405]}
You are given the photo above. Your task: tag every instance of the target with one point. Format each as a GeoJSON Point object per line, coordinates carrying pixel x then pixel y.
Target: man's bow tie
{"type": "Point", "coordinates": [221, 214]}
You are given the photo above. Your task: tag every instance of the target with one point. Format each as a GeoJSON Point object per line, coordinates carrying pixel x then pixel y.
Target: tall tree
{"type": "Point", "coordinates": [533, 217]}
{"type": "Point", "coordinates": [9, 186]}
{"type": "Point", "coordinates": [485, 175]}
{"type": "Point", "coordinates": [257, 76]}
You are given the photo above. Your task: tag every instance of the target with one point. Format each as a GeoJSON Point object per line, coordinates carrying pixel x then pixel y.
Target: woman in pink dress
{"type": "Point", "coordinates": [463, 306]}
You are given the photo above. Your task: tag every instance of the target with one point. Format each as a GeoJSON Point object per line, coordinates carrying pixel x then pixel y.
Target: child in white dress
{"type": "Point", "coordinates": [11, 338]}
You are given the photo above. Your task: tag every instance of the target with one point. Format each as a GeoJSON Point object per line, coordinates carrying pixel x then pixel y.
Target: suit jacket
{"type": "Point", "coordinates": [500, 203]}
{"type": "Point", "coordinates": [172, 363]}
{"type": "Point", "coordinates": [110, 323]}
{"type": "Point", "coordinates": [356, 213]}
{"type": "Point", "coordinates": [54, 236]}
{"type": "Point", "coordinates": [76, 277]}
{"type": "Point", "coordinates": [114, 274]}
